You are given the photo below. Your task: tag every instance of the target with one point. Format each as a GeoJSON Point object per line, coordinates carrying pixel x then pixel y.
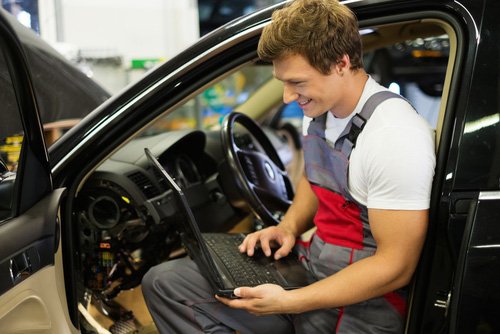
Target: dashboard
{"type": "Point", "coordinates": [127, 220]}
{"type": "Point", "coordinates": [126, 217]}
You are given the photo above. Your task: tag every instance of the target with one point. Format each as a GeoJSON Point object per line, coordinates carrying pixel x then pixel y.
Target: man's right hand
{"type": "Point", "coordinates": [273, 236]}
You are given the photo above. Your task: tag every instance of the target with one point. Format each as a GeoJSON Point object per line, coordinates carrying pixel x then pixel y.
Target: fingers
{"type": "Point", "coordinates": [253, 240]}
{"type": "Point", "coordinates": [248, 292]}
{"type": "Point", "coordinates": [259, 300]}
{"type": "Point", "coordinates": [249, 243]}
{"type": "Point", "coordinates": [265, 239]}
{"type": "Point", "coordinates": [242, 293]}
{"type": "Point", "coordinates": [265, 244]}
{"type": "Point", "coordinates": [285, 249]}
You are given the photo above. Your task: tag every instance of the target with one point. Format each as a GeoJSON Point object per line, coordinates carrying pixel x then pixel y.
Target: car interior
{"type": "Point", "coordinates": [124, 221]}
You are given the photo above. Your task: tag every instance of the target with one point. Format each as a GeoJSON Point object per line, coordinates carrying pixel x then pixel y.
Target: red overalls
{"type": "Point", "coordinates": [343, 233]}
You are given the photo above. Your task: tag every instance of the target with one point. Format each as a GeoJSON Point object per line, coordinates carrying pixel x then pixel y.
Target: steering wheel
{"type": "Point", "coordinates": [254, 163]}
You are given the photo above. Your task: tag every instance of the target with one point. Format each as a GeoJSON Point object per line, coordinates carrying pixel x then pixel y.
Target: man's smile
{"type": "Point", "coordinates": [304, 102]}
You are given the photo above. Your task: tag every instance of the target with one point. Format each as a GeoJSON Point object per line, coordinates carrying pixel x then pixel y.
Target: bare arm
{"type": "Point", "coordinates": [297, 220]}
{"type": "Point", "coordinates": [299, 217]}
{"type": "Point", "coordinates": [399, 236]}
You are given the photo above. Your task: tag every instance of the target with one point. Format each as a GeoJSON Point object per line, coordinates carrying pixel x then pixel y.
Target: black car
{"type": "Point", "coordinates": [82, 223]}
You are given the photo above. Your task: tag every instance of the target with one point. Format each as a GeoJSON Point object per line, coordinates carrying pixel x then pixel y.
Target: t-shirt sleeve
{"type": "Point", "coordinates": [397, 164]}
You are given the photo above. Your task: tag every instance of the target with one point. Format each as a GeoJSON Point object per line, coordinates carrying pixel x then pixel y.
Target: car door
{"type": "Point", "coordinates": [32, 293]}
{"type": "Point", "coordinates": [474, 298]}
{"type": "Point", "coordinates": [474, 304]}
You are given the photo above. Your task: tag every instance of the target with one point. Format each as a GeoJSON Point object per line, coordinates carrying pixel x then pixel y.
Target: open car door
{"type": "Point", "coordinates": [32, 292]}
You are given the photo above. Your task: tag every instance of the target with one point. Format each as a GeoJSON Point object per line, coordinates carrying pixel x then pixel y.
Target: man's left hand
{"type": "Point", "coordinates": [261, 300]}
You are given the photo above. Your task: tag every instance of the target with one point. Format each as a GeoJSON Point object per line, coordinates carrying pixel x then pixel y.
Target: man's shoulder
{"type": "Point", "coordinates": [380, 95]}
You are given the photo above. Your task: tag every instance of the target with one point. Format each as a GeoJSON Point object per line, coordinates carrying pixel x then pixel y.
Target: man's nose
{"type": "Point", "coordinates": [289, 95]}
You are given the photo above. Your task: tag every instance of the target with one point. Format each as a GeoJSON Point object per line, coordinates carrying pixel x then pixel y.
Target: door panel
{"type": "Point", "coordinates": [35, 300]}
{"type": "Point", "coordinates": [476, 297]}
{"type": "Point", "coordinates": [32, 291]}
{"type": "Point", "coordinates": [29, 241]}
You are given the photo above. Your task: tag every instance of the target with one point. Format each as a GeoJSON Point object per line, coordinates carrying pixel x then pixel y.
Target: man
{"type": "Point", "coordinates": [366, 191]}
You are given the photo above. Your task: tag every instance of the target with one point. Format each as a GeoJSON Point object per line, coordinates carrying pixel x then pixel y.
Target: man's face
{"type": "Point", "coordinates": [315, 92]}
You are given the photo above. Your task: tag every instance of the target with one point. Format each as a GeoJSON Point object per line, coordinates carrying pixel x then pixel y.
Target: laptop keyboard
{"type": "Point", "coordinates": [245, 270]}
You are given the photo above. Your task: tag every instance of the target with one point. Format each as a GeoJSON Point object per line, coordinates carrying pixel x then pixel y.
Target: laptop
{"type": "Point", "coordinates": [219, 259]}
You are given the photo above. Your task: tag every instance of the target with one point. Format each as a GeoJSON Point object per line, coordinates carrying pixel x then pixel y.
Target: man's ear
{"type": "Point", "coordinates": [343, 64]}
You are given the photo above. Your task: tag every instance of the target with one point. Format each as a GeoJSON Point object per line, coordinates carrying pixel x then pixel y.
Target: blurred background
{"type": "Point", "coordinates": [116, 41]}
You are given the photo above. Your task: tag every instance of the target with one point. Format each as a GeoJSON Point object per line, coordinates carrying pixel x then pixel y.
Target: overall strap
{"type": "Point", "coordinates": [347, 139]}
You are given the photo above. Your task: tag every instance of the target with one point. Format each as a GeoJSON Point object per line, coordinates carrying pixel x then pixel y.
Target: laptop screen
{"type": "Point", "coordinates": [191, 234]}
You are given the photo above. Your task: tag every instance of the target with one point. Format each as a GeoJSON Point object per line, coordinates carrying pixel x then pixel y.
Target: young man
{"type": "Point", "coordinates": [367, 192]}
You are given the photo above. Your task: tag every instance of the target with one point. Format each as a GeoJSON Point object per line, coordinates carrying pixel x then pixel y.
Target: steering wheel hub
{"type": "Point", "coordinates": [254, 163]}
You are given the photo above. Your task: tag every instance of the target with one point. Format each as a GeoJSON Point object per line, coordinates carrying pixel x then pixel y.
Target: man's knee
{"type": "Point", "coordinates": [154, 280]}
{"type": "Point", "coordinates": [175, 279]}
{"type": "Point", "coordinates": [148, 281]}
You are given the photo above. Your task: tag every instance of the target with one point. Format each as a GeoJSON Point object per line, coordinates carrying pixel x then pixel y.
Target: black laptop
{"type": "Point", "coordinates": [219, 259]}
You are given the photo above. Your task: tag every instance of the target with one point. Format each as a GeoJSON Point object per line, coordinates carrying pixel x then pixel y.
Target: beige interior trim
{"type": "Point", "coordinates": [35, 306]}
{"type": "Point", "coordinates": [387, 34]}
{"type": "Point", "coordinates": [266, 97]}
{"type": "Point", "coordinates": [91, 320]}
{"type": "Point", "coordinates": [449, 75]}
{"type": "Point", "coordinates": [38, 304]}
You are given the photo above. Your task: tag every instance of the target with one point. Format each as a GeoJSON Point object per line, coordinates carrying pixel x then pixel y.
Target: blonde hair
{"type": "Point", "coordinates": [322, 31]}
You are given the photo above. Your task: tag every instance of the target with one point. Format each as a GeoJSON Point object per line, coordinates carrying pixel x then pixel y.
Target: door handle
{"type": "Point", "coordinates": [20, 267]}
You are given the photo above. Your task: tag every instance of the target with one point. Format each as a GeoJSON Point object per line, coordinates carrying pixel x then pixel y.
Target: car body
{"type": "Point", "coordinates": [84, 221]}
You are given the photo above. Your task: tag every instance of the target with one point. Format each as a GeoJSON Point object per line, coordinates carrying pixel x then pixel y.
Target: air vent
{"type": "Point", "coordinates": [142, 181]}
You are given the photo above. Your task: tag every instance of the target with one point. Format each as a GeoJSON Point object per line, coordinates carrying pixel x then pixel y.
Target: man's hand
{"type": "Point", "coordinates": [269, 237]}
{"type": "Point", "coordinates": [261, 300]}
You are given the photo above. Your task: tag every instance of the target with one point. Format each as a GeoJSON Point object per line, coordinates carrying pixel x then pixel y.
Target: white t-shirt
{"type": "Point", "coordinates": [392, 165]}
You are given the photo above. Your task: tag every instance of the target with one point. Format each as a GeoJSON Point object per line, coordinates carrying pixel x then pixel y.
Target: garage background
{"type": "Point", "coordinates": [116, 41]}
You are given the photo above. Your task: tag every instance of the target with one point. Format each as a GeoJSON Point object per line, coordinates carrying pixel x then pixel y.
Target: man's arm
{"type": "Point", "coordinates": [399, 234]}
{"type": "Point", "coordinates": [299, 217]}
{"type": "Point", "coordinates": [297, 220]}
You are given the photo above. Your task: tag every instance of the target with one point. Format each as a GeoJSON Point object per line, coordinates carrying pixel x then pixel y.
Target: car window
{"type": "Point", "coordinates": [11, 139]}
{"type": "Point", "coordinates": [416, 69]}
{"type": "Point", "coordinates": [206, 110]}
